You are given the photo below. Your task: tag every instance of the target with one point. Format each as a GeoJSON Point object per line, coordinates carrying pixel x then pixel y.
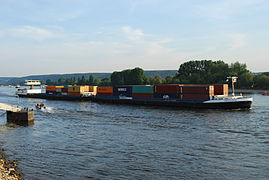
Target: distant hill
{"type": "Point", "coordinates": [55, 77]}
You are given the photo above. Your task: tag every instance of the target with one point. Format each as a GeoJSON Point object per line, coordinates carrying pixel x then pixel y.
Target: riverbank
{"type": "Point", "coordinates": [8, 169]}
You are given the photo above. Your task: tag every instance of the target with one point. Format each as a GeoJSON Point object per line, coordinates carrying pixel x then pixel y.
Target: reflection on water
{"type": "Point", "coordinates": [73, 140]}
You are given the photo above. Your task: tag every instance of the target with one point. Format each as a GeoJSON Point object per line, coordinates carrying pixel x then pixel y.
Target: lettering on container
{"type": "Point", "coordinates": [122, 89]}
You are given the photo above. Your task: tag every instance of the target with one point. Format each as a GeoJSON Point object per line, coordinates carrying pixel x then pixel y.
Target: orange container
{"type": "Point", "coordinates": [105, 90]}
{"type": "Point", "coordinates": [53, 88]}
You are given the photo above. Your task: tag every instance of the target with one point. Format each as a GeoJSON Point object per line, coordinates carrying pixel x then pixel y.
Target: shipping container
{"type": "Point", "coordinates": [78, 89]}
{"type": "Point", "coordinates": [123, 91]}
{"type": "Point", "coordinates": [53, 88]}
{"type": "Point", "coordinates": [143, 89]}
{"type": "Point", "coordinates": [65, 89]}
{"type": "Point", "coordinates": [166, 95]}
{"type": "Point", "coordinates": [105, 90]}
{"type": "Point", "coordinates": [92, 89]}
{"type": "Point", "coordinates": [167, 88]}
{"type": "Point", "coordinates": [50, 92]}
{"type": "Point", "coordinates": [86, 88]}
{"type": "Point", "coordinates": [195, 97]}
{"type": "Point", "coordinates": [64, 93]}
{"type": "Point", "coordinates": [59, 89]}
{"type": "Point", "coordinates": [207, 89]}
{"type": "Point", "coordinates": [221, 89]}
{"type": "Point", "coordinates": [74, 93]}
{"type": "Point", "coordinates": [140, 95]}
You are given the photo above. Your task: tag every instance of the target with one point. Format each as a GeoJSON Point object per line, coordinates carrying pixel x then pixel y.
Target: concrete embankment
{"type": "Point", "coordinates": [9, 107]}
{"type": "Point", "coordinates": [8, 170]}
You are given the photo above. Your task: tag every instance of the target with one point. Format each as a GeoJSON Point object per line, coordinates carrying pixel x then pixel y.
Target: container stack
{"type": "Point", "coordinates": [76, 90]}
{"type": "Point", "coordinates": [199, 92]}
{"type": "Point", "coordinates": [91, 91]}
{"type": "Point", "coordinates": [221, 90]}
{"type": "Point", "coordinates": [185, 92]}
{"type": "Point", "coordinates": [103, 92]}
{"type": "Point", "coordinates": [53, 90]}
{"type": "Point", "coordinates": [65, 91]}
{"type": "Point", "coordinates": [81, 90]}
{"type": "Point", "coordinates": [143, 91]}
{"type": "Point", "coordinates": [167, 91]}
{"type": "Point", "coordinates": [124, 91]}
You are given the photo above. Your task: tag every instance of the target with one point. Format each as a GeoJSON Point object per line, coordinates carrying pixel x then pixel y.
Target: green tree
{"type": "Point", "coordinates": [134, 76]}
{"type": "Point", "coordinates": [117, 78]}
{"type": "Point", "coordinates": [236, 69]}
{"type": "Point", "coordinates": [261, 81]}
{"type": "Point", "coordinates": [61, 81]}
{"type": "Point", "coordinates": [49, 82]}
{"type": "Point", "coordinates": [137, 76]}
{"type": "Point", "coordinates": [169, 80]}
{"type": "Point", "coordinates": [204, 71]}
{"type": "Point", "coordinates": [91, 80]}
{"type": "Point", "coordinates": [105, 82]}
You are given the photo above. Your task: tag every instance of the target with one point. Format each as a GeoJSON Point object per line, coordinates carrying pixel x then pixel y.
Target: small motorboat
{"type": "Point", "coordinates": [40, 106]}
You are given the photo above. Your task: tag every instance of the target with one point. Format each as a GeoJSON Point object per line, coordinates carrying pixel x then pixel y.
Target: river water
{"type": "Point", "coordinates": [87, 140]}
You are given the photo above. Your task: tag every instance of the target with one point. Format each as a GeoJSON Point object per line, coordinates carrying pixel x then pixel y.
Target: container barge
{"type": "Point", "coordinates": [174, 95]}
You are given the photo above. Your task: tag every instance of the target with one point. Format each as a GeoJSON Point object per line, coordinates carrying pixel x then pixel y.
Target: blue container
{"type": "Point", "coordinates": [123, 91]}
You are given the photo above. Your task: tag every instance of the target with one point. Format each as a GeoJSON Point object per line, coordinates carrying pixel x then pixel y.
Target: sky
{"type": "Point", "coordinates": [72, 36]}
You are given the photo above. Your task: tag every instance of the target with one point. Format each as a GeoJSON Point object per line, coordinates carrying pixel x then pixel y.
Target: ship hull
{"type": "Point", "coordinates": [56, 97]}
{"type": "Point", "coordinates": [242, 103]}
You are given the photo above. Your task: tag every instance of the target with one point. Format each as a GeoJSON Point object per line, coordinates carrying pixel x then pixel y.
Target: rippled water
{"type": "Point", "coordinates": [86, 140]}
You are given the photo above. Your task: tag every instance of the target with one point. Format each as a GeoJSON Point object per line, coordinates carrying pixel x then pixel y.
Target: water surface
{"type": "Point", "coordinates": [87, 140]}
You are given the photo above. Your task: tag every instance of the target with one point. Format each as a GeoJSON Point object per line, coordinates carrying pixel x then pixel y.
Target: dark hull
{"type": "Point", "coordinates": [56, 97]}
{"type": "Point", "coordinates": [150, 102]}
{"type": "Point", "coordinates": [180, 104]}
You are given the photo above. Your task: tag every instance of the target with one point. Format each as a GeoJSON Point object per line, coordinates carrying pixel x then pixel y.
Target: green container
{"type": "Point", "coordinates": [143, 89]}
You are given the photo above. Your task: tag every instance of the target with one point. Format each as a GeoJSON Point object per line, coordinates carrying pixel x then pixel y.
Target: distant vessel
{"type": "Point", "coordinates": [18, 86]}
{"type": "Point", "coordinates": [33, 88]}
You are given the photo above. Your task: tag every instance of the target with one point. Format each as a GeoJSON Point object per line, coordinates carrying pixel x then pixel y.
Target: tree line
{"type": "Point", "coordinates": [191, 72]}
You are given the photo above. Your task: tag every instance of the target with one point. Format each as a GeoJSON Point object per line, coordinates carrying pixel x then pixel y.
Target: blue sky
{"type": "Point", "coordinates": [67, 36]}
